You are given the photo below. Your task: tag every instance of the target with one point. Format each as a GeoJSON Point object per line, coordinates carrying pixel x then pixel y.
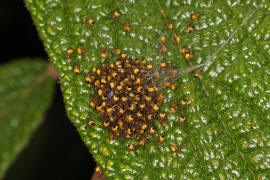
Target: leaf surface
{"type": "Point", "coordinates": [226, 131]}
{"type": "Point", "coordinates": [26, 91]}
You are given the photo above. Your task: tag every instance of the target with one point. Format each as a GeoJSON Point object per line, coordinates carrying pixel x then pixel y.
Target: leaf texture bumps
{"type": "Point", "coordinates": [224, 130]}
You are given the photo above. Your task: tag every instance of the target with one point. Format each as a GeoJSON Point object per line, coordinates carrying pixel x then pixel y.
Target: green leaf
{"type": "Point", "coordinates": [226, 133]}
{"type": "Point", "coordinates": [26, 90]}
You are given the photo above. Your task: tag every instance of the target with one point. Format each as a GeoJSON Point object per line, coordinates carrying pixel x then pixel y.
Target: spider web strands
{"type": "Point", "coordinates": [211, 59]}
{"type": "Point", "coordinates": [164, 76]}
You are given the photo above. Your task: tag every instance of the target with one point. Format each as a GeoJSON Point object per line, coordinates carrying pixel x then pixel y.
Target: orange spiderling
{"type": "Point", "coordinates": [174, 108]}
{"type": "Point", "coordinates": [76, 69]}
{"type": "Point", "coordinates": [173, 86]}
{"type": "Point", "coordinates": [123, 55]}
{"type": "Point", "coordinates": [98, 169]}
{"type": "Point", "coordinates": [189, 29]}
{"type": "Point", "coordinates": [152, 131]}
{"type": "Point", "coordinates": [160, 97]}
{"type": "Point", "coordinates": [90, 21]}
{"type": "Point", "coordinates": [181, 120]}
{"type": "Point", "coordinates": [163, 39]}
{"type": "Point", "coordinates": [69, 52]}
{"type": "Point", "coordinates": [197, 73]}
{"type": "Point", "coordinates": [184, 50]}
{"type": "Point", "coordinates": [81, 51]}
{"type": "Point", "coordinates": [169, 25]}
{"type": "Point", "coordinates": [183, 103]}
{"type": "Point", "coordinates": [116, 14]}
{"type": "Point", "coordinates": [116, 51]}
{"type": "Point", "coordinates": [91, 123]}
{"type": "Point", "coordinates": [189, 56]}
{"type": "Point", "coordinates": [161, 139]}
{"type": "Point", "coordinates": [195, 16]}
{"type": "Point", "coordinates": [164, 49]}
{"type": "Point", "coordinates": [176, 39]}
{"type": "Point", "coordinates": [103, 53]}
{"type": "Point", "coordinates": [174, 148]}
{"type": "Point", "coordinates": [126, 27]}
{"type": "Point", "coordinates": [142, 142]}
{"type": "Point", "coordinates": [89, 78]}
{"type": "Point", "coordinates": [162, 64]}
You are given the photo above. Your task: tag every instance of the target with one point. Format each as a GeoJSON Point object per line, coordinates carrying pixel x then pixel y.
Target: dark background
{"type": "Point", "coordinates": [55, 150]}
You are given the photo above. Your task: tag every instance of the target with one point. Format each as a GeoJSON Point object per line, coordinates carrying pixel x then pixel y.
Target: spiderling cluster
{"type": "Point", "coordinates": [127, 100]}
